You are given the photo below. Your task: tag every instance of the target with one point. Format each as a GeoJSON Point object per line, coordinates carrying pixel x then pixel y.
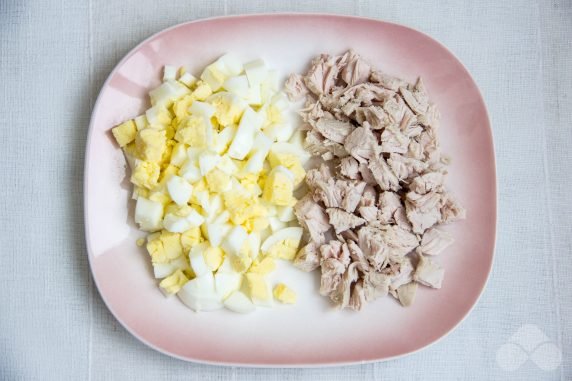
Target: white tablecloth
{"type": "Point", "coordinates": [54, 57]}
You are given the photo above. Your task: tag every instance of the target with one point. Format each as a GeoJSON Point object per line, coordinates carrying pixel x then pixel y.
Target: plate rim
{"type": "Point", "coordinates": [321, 364]}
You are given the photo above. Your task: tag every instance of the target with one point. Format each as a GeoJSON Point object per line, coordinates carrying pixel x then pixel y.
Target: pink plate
{"type": "Point", "coordinates": [310, 333]}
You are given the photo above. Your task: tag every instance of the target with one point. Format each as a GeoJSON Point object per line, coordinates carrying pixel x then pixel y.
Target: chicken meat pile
{"type": "Point", "coordinates": [377, 198]}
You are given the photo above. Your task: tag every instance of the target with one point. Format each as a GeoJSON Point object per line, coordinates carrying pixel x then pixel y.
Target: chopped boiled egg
{"type": "Point", "coordinates": [226, 282]}
{"type": "Point", "coordinates": [285, 213]}
{"type": "Point", "coordinates": [167, 93]}
{"type": "Point", "coordinates": [276, 224]}
{"type": "Point", "coordinates": [218, 181]}
{"type": "Point", "coordinates": [237, 85]}
{"type": "Point", "coordinates": [162, 270]}
{"type": "Point", "coordinates": [283, 244]}
{"type": "Point", "coordinates": [190, 238]}
{"type": "Point", "coordinates": [217, 232]}
{"type": "Point", "coordinates": [125, 133]}
{"type": "Point", "coordinates": [264, 267]}
{"type": "Point", "coordinates": [256, 71]}
{"type": "Point", "coordinates": [234, 240]}
{"type": "Point", "coordinates": [169, 73]}
{"type": "Point", "coordinates": [208, 161]}
{"type": "Point", "coordinates": [279, 187]}
{"type": "Point", "coordinates": [180, 190]}
{"type": "Point", "coordinates": [213, 179]}
{"type": "Point", "coordinates": [197, 259]}
{"type": "Point", "coordinates": [259, 289]}
{"type": "Point", "coordinates": [200, 294]}
{"type": "Point", "coordinates": [141, 122]}
{"type": "Point", "coordinates": [228, 108]}
{"type": "Point", "coordinates": [238, 302]}
{"type": "Point", "coordinates": [187, 79]}
{"type": "Point", "coordinates": [174, 282]}
{"type": "Point", "coordinates": [190, 172]}
{"type": "Point", "coordinates": [182, 219]}
{"type": "Point", "coordinates": [284, 294]}
{"type": "Point", "coordinates": [231, 63]}
{"type": "Point", "coordinates": [164, 247]}
{"type": "Point", "coordinates": [194, 131]}
{"type": "Point", "coordinates": [179, 154]}
{"type": "Point", "coordinates": [213, 257]}
{"type": "Point", "coordinates": [151, 144]}
{"type": "Point", "coordinates": [148, 214]}
{"type": "Point", "coordinates": [224, 138]}
{"type": "Point", "coordinates": [244, 137]}
{"type": "Point", "coordinates": [260, 150]}
{"type": "Point", "coordinates": [145, 174]}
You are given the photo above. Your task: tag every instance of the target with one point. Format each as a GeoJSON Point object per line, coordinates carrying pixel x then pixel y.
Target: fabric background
{"type": "Point", "coordinates": [55, 56]}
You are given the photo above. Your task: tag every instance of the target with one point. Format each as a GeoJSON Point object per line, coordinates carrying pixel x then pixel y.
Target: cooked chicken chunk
{"type": "Point", "coordinates": [382, 195]}
{"type": "Point", "coordinates": [428, 273]}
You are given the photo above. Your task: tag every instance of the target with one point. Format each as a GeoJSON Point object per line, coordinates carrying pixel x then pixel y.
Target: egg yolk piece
{"type": "Point", "coordinates": [278, 189]}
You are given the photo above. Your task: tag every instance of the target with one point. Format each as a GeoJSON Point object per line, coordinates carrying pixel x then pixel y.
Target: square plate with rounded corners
{"type": "Point", "coordinates": [309, 333]}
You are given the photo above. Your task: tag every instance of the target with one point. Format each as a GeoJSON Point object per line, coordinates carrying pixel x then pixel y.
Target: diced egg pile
{"type": "Point", "coordinates": [215, 162]}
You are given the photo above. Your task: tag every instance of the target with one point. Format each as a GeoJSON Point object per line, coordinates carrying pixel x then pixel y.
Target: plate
{"type": "Point", "coordinates": [311, 333]}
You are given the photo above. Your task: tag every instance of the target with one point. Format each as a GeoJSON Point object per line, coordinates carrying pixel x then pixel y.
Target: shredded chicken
{"type": "Point", "coordinates": [372, 212]}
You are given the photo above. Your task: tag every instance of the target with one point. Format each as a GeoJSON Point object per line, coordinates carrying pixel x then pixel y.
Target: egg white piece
{"type": "Point", "coordinates": [254, 241]}
{"type": "Point", "coordinates": [260, 149]}
{"type": "Point", "coordinates": [179, 155]}
{"type": "Point", "coordinates": [188, 79]}
{"type": "Point", "coordinates": [254, 97]}
{"type": "Point", "coordinates": [214, 75]}
{"type": "Point", "coordinates": [280, 101]}
{"type": "Point", "coordinates": [238, 86]}
{"type": "Point", "coordinates": [217, 232]}
{"type": "Point", "coordinates": [197, 259]}
{"type": "Point", "coordinates": [193, 153]}
{"type": "Point", "coordinates": [276, 224]}
{"type": "Point", "coordinates": [234, 240]}
{"type": "Point", "coordinates": [162, 270]}
{"type": "Point", "coordinates": [231, 63]}
{"type": "Point", "coordinates": [141, 122]}
{"type": "Point", "coordinates": [222, 218]}
{"type": "Point", "coordinates": [180, 224]}
{"type": "Point", "coordinates": [227, 165]}
{"type": "Point", "coordinates": [256, 71]}
{"type": "Point", "coordinates": [294, 233]}
{"type": "Point", "coordinates": [290, 148]}
{"type": "Point", "coordinates": [224, 138]}
{"type": "Point", "coordinates": [208, 161]}
{"type": "Point", "coordinates": [244, 138]}
{"type": "Point", "coordinates": [202, 109]}
{"type": "Point", "coordinates": [213, 207]}
{"type": "Point", "coordinates": [270, 85]}
{"type": "Point", "coordinates": [284, 170]}
{"type": "Point", "coordinates": [175, 224]}
{"type": "Point", "coordinates": [195, 218]}
{"type": "Point", "coordinates": [153, 115]}
{"type": "Point", "coordinates": [285, 213]}
{"type": "Point", "coordinates": [227, 282]}
{"type": "Point", "coordinates": [240, 303]}
{"type": "Point", "coordinates": [203, 198]}
{"type": "Point", "coordinates": [167, 93]}
{"type": "Point", "coordinates": [148, 214]}
{"type": "Point", "coordinates": [226, 266]}
{"type": "Point", "coordinates": [190, 172]}
{"type": "Point", "coordinates": [169, 73]}
{"type": "Point", "coordinates": [180, 190]}
{"type": "Point", "coordinates": [284, 131]}
{"type": "Point", "coordinates": [199, 294]}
